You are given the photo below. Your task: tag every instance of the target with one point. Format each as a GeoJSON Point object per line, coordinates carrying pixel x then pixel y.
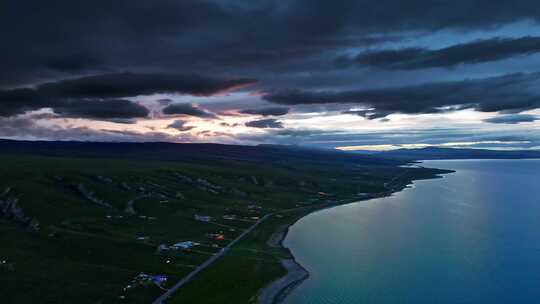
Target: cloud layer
{"type": "Point", "coordinates": [265, 124]}
{"type": "Point", "coordinates": [273, 111]}
{"type": "Point", "coordinates": [512, 119]}
{"type": "Point", "coordinates": [180, 125]}
{"type": "Point", "coordinates": [75, 38]}
{"type": "Point", "coordinates": [189, 110]}
{"type": "Point", "coordinates": [466, 53]}
{"type": "Point", "coordinates": [328, 73]}
{"type": "Point", "coordinates": [509, 93]}
{"type": "Point", "coordinates": [97, 96]}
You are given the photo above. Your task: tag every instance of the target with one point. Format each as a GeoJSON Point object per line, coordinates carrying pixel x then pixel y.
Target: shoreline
{"type": "Point", "coordinates": [276, 291]}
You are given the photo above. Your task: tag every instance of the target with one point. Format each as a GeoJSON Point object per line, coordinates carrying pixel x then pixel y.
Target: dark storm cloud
{"type": "Point", "coordinates": [44, 41]}
{"type": "Point", "coordinates": [71, 55]}
{"type": "Point", "coordinates": [509, 93]}
{"type": "Point", "coordinates": [265, 124]}
{"type": "Point", "coordinates": [131, 84]}
{"type": "Point", "coordinates": [273, 111]}
{"type": "Point", "coordinates": [188, 109]}
{"type": "Point", "coordinates": [180, 125]}
{"type": "Point", "coordinates": [84, 96]}
{"type": "Point", "coordinates": [467, 53]}
{"type": "Point", "coordinates": [101, 109]}
{"type": "Point", "coordinates": [19, 101]}
{"type": "Point", "coordinates": [512, 119]}
{"type": "Point", "coordinates": [29, 128]}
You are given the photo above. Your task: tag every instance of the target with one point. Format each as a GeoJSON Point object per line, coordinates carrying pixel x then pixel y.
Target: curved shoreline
{"type": "Point", "coordinates": [279, 289]}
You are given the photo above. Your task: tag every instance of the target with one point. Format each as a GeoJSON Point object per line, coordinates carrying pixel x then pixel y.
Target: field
{"type": "Point", "coordinates": [82, 229]}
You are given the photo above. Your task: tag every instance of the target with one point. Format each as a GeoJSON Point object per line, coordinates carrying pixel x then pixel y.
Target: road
{"type": "Point", "coordinates": [223, 251]}
{"type": "Point", "coordinates": [207, 263]}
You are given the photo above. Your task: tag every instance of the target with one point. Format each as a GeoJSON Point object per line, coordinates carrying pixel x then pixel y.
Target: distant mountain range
{"type": "Point", "coordinates": [431, 153]}
{"type": "Point", "coordinates": [272, 154]}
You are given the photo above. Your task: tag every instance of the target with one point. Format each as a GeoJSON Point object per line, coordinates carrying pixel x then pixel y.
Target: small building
{"type": "Point", "coordinates": [216, 236]}
{"type": "Point", "coordinates": [158, 279]}
{"type": "Point", "coordinates": [162, 248]}
{"type": "Point", "coordinates": [202, 218]}
{"type": "Point", "coordinates": [229, 217]}
{"type": "Point", "coordinates": [184, 245]}
{"type": "Point", "coordinates": [142, 238]}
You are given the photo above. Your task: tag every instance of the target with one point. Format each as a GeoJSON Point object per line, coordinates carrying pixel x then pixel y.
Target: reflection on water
{"type": "Point", "coordinates": [471, 237]}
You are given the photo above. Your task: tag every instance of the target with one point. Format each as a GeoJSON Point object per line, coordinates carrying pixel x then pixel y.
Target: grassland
{"type": "Point", "coordinates": [93, 224]}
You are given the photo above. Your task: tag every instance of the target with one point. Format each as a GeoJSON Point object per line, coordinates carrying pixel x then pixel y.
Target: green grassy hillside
{"type": "Point", "coordinates": [80, 230]}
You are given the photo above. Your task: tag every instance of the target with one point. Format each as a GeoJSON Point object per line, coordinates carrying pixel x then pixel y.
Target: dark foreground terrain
{"type": "Point", "coordinates": [97, 223]}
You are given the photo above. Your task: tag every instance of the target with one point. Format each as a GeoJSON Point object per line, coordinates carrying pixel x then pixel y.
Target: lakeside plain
{"type": "Point", "coordinates": [87, 223]}
{"type": "Point", "coordinates": [241, 270]}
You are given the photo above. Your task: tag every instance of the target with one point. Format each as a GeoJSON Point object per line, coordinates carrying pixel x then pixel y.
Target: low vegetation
{"type": "Point", "coordinates": [103, 230]}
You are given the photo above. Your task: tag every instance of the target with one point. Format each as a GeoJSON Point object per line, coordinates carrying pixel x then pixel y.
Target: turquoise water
{"type": "Point", "coordinates": [470, 237]}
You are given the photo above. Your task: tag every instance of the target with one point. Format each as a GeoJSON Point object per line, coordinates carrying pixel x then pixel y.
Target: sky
{"type": "Point", "coordinates": [346, 74]}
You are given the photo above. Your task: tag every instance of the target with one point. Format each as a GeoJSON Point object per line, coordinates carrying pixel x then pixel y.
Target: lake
{"type": "Point", "coordinates": [471, 237]}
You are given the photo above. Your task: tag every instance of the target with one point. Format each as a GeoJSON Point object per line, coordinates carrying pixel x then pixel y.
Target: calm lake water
{"type": "Point", "coordinates": [470, 237]}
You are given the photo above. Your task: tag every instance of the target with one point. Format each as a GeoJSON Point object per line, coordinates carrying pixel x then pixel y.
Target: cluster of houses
{"type": "Point", "coordinates": [254, 207]}
{"type": "Point", "coordinates": [230, 217]}
{"type": "Point", "coordinates": [143, 278]}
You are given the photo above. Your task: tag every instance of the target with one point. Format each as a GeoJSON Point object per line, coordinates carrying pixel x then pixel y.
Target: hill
{"type": "Point", "coordinates": [432, 153]}
{"type": "Point", "coordinates": [268, 154]}
{"type": "Point", "coordinates": [85, 222]}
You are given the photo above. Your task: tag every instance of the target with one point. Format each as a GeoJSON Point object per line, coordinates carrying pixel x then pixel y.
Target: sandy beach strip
{"type": "Point", "coordinates": [278, 290]}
